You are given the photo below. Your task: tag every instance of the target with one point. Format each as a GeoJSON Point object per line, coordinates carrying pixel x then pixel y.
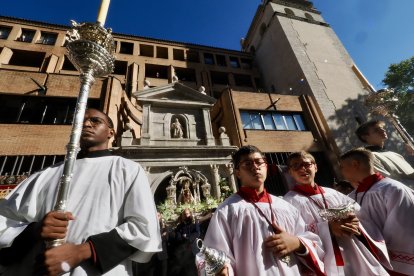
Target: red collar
{"type": "Point", "coordinates": [250, 195]}
{"type": "Point", "coordinates": [308, 189]}
{"type": "Point", "coordinates": [368, 181]}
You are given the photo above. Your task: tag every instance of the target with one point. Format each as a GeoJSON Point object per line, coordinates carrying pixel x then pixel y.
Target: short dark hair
{"type": "Point", "coordinates": [300, 154]}
{"type": "Point", "coordinates": [363, 129]}
{"type": "Point", "coordinates": [245, 150]}
{"type": "Point", "coordinates": [361, 155]}
{"type": "Point", "coordinates": [110, 122]}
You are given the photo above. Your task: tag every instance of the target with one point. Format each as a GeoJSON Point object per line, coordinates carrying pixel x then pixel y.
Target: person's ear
{"type": "Point", "coordinates": [111, 133]}
{"type": "Point", "coordinates": [365, 138]}
{"type": "Point", "coordinates": [237, 173]}
{"type": "Point", "coordinates": [316, 167]}
{"type": "Point", "coordinates": [290, 171]}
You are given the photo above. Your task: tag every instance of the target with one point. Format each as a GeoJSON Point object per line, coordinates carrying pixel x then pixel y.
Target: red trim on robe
{"type": "Point", "coordinates": [312, 261]}
{"type": "Point", "coordinates": [368, 181]}
{"type": "Point", "coordinates": [337, 252]}
{"type": "Point", "coordinates": [251, 195]}
{"type": "Point", "coordinates": [308, 189]}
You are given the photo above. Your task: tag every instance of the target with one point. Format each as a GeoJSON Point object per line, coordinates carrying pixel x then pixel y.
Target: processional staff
{"type": "Point", "coordinates": [90, 48]}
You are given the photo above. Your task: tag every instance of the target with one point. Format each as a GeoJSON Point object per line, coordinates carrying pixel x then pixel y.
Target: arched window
{"type": "Point", "coordinates": [309, 16]}
{"type": "Point", "coordinates": [262, 29]}
{"type": "Point", "coordinates": [252, 50]}
{"type": "Point", "coordinates": [289, 12]}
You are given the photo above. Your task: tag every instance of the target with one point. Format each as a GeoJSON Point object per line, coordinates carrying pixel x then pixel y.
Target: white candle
{"type": "Point", "coordinates": [103, 11]}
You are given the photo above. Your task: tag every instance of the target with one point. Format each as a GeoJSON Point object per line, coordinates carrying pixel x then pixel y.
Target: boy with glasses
{"type": "Point", "coordinates": [261, 234]}
{"type": "Point", "coordinates": [346, 243]}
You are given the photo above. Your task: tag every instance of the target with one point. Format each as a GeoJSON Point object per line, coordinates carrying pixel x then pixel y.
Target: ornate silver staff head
{"type": "Point", "coordinates": [337, 213]}
{"type": "Point", "coordinates": [215, 259]}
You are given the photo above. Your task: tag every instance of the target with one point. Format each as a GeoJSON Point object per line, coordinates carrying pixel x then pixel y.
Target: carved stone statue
{"type": "Point", "coordinates": [176, 129]}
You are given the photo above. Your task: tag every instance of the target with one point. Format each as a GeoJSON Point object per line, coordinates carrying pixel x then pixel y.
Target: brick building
{"type": "Point", "coordinates": [291, 87]}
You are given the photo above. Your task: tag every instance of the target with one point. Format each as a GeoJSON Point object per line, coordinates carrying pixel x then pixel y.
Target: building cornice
{"type": "Point", "coordinates": [125, 36]}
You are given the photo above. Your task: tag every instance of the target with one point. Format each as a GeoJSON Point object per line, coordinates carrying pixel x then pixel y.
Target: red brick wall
{"type": "Point", "coordinates": [33, 139]}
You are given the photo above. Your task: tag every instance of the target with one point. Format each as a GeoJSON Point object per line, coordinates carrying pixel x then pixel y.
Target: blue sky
{"type": "Point", "coordinates": [375, 32]}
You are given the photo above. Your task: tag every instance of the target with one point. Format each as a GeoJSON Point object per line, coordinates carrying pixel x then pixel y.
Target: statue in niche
{"type": "Point", "coordinates": [176, 129]}
{"type": "Point", "coordinates": [186, 196]}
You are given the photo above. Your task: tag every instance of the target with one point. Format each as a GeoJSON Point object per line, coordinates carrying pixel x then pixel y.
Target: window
{"type": "Point", "coordinates": [27, 58]}
{"type": "Point", "coordinates": [178, 54]}
{"type": "Point", "coordinates": [126, 48]}
{"type": "Point", "coordinates": [38, 110]}
{"type": "Point", "coordinates": [26, 164]}
{"type": "Point", "coordinates": [246, 63]}
{"type": "Point", "coordinates": [162, 52]}
{"type": "Point", "coordinates": [234, 62]}
{"type": "Point", "coordinates": [68, 65]}
{"type": "Point", "coordinates": [262, 29]}
{"type": "Point", "coordinates": [267, 120]}
{"type": "Point", "coordinates": [243, 80]}
{"type": "Point", "coordinates": [185, 74]}
{"type": "Point", "coordinates": [208, 58]}
{"type": "Point", "coordinates": [193, 56]}
{"type": "Point", "coordinates": [5, 31]}
{"type": "Point", "coordinates": [309, 16]}
{"type": "Point", "coordinates": [26, 36]}
{"type": "Point", "coordinates": [47, 38]}
{"type": "Point", "coordinates": [289, 12]}
{"type": "Point", "coordinates": [120, 67]}
{"type": "Point", "coordinates": [156, 71]}
{"type": "Point", "coordinates": [219, 78]}
{"type": "Point", "coordinates": [221, 60]}
{"type": "Point", "coordinates": [146, 50]}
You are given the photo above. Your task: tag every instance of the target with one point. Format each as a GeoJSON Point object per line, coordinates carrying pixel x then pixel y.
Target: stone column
{"type": "Point", "coordinates": [216, 180]}
{"type": "Point", "coordinates": [134, 77]}
{"type": "Point", "coordinates": [232, 179]}
{"type": "Point", "coordinates": [210, 141]}
{"type": "Point", "coordinates": [51, 66]}
{"type": "Point", "coordinates": [145, 137]}
{"type": "Point", "coordinates": [5, 55]}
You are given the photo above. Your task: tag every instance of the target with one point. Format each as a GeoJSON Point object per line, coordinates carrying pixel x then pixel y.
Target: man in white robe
{"type": "Point", "coordinates": [261, 234]}
{"type": "Point", "coordinates": [387, 208]}
{"type": "Point", "coordinates": [386, 162]}
{"type": "Point", "coordinates": [112, 219]}
{"type": "Point", "coordinates": [347, 245]}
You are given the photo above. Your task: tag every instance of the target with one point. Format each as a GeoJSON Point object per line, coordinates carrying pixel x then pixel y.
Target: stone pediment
{"type": "Point", "coordinates": [174, 94]}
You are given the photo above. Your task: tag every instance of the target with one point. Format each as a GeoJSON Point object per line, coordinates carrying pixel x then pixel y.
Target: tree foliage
{"type": "Point", "coordinates": [400, 77]}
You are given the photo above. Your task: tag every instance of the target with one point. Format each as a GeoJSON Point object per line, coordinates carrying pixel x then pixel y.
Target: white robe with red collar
{"type": "Point", "coordinates": [238, 230]}
{"type": "Point", "coordinates": [387, 212]}
{"type": "Point", "coordinates": [356, 258]}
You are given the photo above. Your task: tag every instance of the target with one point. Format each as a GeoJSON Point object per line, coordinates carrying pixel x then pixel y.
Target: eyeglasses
{"type": "Point", "coordinates": [250, 163]}
{"type": "Point", "coordinates": [94, 121]}
{"type": "Point", "coordinates": [298, 166]}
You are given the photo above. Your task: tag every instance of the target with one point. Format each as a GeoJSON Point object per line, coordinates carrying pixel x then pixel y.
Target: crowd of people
{"type": "Point", "coordinates": [112, 226]}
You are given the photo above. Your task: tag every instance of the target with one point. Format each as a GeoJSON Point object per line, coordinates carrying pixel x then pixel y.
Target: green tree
{"type": "Point", "coordinates": [400, 78]}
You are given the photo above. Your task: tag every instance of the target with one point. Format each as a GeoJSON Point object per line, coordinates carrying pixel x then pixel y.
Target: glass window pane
{"type": "Point", "coordinates": [280, 123]}
{"type": "Point", "coordinates": [299, 122]}
{"type": "Point", "coordinates": [247, 124]}
{"type": "Point", "coordinates": [290, 123]}
{"type": "Point", "coordinates": [256, 121]}
{"type": "Point", "coordinates": [268, 121]}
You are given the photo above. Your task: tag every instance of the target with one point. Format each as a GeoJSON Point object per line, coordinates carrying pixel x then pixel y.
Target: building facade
{"type": "Point", "coordinates": [181, 109]}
